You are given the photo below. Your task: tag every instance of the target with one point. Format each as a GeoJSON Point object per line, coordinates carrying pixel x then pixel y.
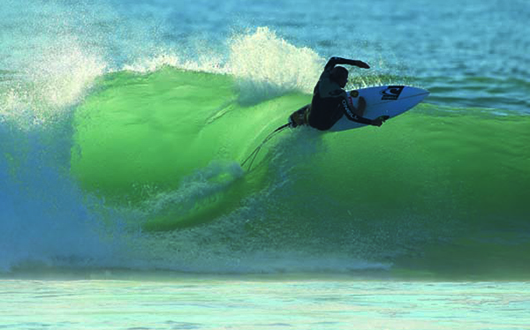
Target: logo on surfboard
{"type": "Point", "coordinates": [392, 93]}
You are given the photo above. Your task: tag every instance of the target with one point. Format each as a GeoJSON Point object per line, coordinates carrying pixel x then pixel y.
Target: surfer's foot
{"type": "Point", "coordinates": [298, 118]}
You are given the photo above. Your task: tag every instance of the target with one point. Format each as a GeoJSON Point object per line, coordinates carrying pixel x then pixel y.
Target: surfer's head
{"type": "Point", "coordinates": [339, 75]}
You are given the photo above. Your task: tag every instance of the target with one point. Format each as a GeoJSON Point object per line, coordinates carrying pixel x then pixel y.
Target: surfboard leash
{"type": "Point", "coordinates": [254, 153]}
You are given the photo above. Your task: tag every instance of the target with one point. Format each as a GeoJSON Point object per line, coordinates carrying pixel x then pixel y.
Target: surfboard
{"type": "Point", "coordinates": [388, 101]}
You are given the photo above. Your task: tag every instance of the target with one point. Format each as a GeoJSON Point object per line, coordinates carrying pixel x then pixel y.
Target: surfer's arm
{"type": "Point", "coordinates": [376, 122]}
{"type": "Point", "coordinates": [339, 60]}
{"type": "Point", "coordinates": [355, 115]}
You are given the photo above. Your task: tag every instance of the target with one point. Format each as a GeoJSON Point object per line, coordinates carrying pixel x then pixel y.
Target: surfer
{"type": "Point", "coordinates": [330, 101]}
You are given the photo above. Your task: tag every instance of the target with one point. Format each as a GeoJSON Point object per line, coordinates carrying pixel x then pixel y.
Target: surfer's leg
{"type": "Point", "coordinates": [306, 114]}
{"type": "Point", "coordinates": [299, 117]}
{"type": "Point", "coordinates": [335, 116]}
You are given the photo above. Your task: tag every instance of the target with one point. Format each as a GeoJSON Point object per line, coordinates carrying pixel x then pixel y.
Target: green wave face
{"type": "Point", "coordinates": [171, 137]}
{"type": "Point", "coordinates": [428, 183]}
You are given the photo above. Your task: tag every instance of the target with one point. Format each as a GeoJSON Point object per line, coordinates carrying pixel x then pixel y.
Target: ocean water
{"type": "Point", "coordinates": [123, 126]}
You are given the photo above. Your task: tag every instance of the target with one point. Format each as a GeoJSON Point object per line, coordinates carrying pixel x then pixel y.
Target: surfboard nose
{"type": "Point", "coordinates": [389, 101]}
{"type": "Point", "coordinates": [416, 91]}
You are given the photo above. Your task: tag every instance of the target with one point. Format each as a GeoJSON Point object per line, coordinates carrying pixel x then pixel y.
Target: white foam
{"type": "Point", "coordinates": [267, 63]}
{"type": "Point", "coordinates": [264, 64]}
{"type": "Point", "coordinates": [64, 72]}
{"type": "Point", "coordinates": [57, 78]}
{"type": "Point", "coordinates": [202, 185]}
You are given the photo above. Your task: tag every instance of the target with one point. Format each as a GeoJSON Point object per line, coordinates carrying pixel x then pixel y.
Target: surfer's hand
{"type": "Point", "coordinates": [377, 122]}
{"type": "Point", "coordinates": [361, 64]}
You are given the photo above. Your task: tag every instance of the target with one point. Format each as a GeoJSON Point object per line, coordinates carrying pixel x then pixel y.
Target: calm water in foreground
{"type": "Point", "coordinates": [270, 302]}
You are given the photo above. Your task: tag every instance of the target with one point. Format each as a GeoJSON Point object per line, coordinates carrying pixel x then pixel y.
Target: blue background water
{"type": "Point", "coordinates": [468, 53]}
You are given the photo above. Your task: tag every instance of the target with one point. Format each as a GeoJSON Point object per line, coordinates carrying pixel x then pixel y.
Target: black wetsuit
{"type": "Point", "coordinates": [330, 101]}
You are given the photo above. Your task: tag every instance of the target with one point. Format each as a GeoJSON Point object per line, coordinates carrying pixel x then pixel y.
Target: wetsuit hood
{"type": "Point", "coordinates": [339, 74]}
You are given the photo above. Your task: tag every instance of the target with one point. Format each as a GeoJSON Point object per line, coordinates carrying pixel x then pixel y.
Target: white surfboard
{"type": "Point", "coordinates": [388, 101]}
